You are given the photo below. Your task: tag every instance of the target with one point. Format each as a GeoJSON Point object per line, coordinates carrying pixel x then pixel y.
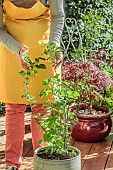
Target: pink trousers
{"type": "Point", "coordinates": [15, 130]}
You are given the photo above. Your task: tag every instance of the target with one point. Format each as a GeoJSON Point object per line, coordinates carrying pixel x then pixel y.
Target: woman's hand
{"type": "Point", "coordinates": [58, 61]}
{"type": "Point", "coordinates": [22, 54]}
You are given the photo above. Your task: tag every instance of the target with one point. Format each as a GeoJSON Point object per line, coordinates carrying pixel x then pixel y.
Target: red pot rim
{"type": "Point", "coordinates": [92, 117]}
{"type": "Point", "coordinates": [98, 108]}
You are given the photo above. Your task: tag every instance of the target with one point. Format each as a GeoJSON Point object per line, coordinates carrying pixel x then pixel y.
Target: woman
{"type": "Point", "coordinates": [24, 26]}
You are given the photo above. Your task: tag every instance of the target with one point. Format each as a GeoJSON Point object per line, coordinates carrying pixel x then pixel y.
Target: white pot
{"type": "Point", "coordinates": [66, 164]}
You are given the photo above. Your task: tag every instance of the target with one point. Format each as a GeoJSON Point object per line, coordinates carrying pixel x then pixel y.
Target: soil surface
{"type": "Point", "coordinates": [93, 113]}
{"type": "Point", "coordinates": [55, 156]}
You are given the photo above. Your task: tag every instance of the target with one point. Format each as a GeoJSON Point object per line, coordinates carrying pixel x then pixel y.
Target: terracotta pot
{"type": "Point", "coordinates": [92, 129]}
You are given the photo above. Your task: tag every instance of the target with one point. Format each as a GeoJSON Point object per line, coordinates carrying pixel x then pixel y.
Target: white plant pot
{"type": "Point", "coordinates": [67, 164]}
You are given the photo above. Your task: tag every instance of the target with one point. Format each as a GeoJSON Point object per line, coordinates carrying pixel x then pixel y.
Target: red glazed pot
{"type": "Point", "coordinates": [92, 129]}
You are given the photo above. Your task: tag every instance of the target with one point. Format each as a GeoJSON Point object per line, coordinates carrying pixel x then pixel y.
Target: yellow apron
{"type": "Point", "coordinates": [30, 27]}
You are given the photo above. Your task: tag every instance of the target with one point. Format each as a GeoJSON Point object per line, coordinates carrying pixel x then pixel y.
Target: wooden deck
{"type": "Point", "coordinates": [95, 156]}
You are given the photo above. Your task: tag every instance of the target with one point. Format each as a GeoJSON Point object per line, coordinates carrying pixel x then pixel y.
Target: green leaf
{"type": "Point", "coordinates": [40, 141]}
{"type": "Point", "coordinates": [76, 94]}
{"type": "Point", "coordinates": [37, 60]}
{"type": "Point", "coordinates": [34, 72]}
{"type": "Point", "coordinates": [47, 81]}
{"type": "Point", "coordinates": [40, 66]}
{"type": "Point", "coordinates": [22, 73]}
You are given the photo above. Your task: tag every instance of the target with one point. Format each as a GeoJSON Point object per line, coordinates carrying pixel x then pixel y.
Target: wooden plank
{"type": "Point", "coordinates": [98, 154]}
{"type": "Point", "coordinates": [109, 162]}
{"type": "Point", "coordinates": [2, 153]}
{"type": "Point", "coordinates": [27, 145]}
{"type": "Point", "coordinates": [27, 163]}
{"type": "Point", "coordinates": [30, 153]}
{"type": "Point", "coordinates": [85, 149]}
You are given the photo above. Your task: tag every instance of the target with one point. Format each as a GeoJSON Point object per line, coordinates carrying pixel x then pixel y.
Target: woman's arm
{"type": "Point", "coordinates": [57, 21]}
{"type": "Point", "coordinates": [6, 39]}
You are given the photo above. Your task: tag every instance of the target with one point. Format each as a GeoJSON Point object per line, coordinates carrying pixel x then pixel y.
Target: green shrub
{"type": "Point", "coordinates": [94, 21]}
{"type": "Point", "coordinates": [2, 108]}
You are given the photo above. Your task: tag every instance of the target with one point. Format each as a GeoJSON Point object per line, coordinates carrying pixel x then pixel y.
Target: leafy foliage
{"type": "Point", "coordinates": [57, 125]}
{"type": "Point", "coordinates": [95, 22]}
{"type": "Point", "coordinates": [34, 65]}
{"type": "Point", "coordinates": [55, 122]}
{"type": "Point", "coordinates": [93, 79]}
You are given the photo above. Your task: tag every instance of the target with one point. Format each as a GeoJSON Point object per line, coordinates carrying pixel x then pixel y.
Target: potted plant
{"type": "Point", "coordinates": [56, 128]}
{"type": "Point", "coordinates": [94, 85]}
{"type": "Point", "coordinates": [56, 125]}
{"type": "Point", "coordinates": [88, 43]}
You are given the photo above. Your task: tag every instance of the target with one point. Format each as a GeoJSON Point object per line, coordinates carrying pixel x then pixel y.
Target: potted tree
{"type": "Point", "coordinates": [56, 125]}
{"type": "Point", "coordinates": [90, 67]}
{"type": "Point", "coordinates": [56, 128]}
{"type": "Point", "coordinates": [94, 85]}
